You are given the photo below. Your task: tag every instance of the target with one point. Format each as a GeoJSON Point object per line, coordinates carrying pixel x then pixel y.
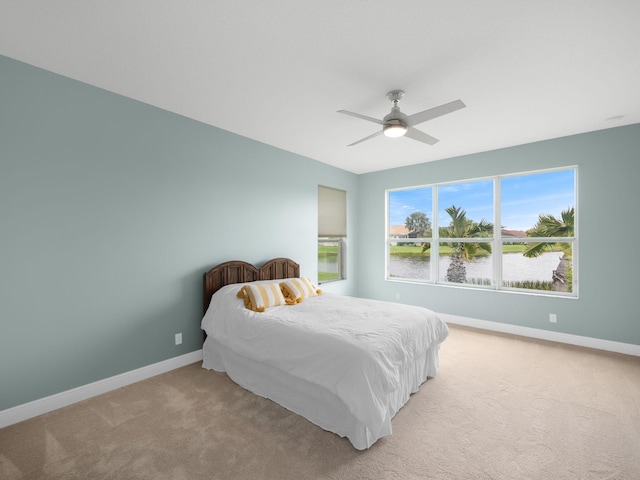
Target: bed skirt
{"type": "Point", "coordinates": [315, 403]}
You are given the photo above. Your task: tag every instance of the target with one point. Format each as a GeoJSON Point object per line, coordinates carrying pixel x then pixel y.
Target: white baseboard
{"type": "Point", "coordinates": [53, 402]}
{"type": "Point", "coordinates": [608, 345]}
{"type": "Point", "coordinates": [44, 405]}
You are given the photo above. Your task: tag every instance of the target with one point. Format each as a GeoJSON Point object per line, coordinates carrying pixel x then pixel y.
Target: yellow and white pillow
{"type": "Point", "coordinates": [297, 289]}
{"type": "Point", "coordinates": [261, 296]}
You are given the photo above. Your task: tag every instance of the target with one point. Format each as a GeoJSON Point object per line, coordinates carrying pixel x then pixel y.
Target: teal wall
{"type": "Point", "coordinates": [608, 306]}
{"type": "Point", "coordinates": [111, 210]}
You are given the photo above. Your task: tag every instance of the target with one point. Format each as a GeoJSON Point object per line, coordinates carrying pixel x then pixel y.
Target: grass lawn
{"type": "Point", "coordinates": [327, 252]}
{"type": "Point", "coordinates": [408, 250]}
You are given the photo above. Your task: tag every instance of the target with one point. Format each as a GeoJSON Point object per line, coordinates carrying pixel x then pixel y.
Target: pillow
{"type": "Point", "coordinates": [297, 289]}
{"type": "Point", "coordinates": [259, 297]}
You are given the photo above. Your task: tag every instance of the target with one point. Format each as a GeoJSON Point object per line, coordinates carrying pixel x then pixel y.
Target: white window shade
{"type": "Point", "coordinates": [332, 212]}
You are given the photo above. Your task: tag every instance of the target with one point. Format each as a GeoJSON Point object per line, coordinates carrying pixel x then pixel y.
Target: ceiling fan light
{"type": "Point", "coordinates": [395, 130]}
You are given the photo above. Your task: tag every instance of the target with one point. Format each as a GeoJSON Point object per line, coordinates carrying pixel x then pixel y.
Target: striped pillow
{"type": "Point", "coordinates": [297, 289]}
{"type": "Point", "coordinates": [259, 297]}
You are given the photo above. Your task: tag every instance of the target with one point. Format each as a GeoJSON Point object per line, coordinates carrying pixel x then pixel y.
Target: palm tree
{"type": "Point", "coordinates": [550, 226]}
{"type": "Point", "coordinates": [462, 227]}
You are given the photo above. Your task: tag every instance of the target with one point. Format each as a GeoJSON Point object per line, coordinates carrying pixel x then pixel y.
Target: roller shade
{"type": "Point", "coordinates": [332, 212]}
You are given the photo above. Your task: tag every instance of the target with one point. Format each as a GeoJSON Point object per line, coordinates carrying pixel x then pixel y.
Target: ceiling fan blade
{"type": "Point", "coordinates": [363, 117]}
{"type": "Point", "coordinates": [420, 136]}
{"type": "Point", "coordinates": [435, 112]}
{"type": "Point", "coordinates": [365, 138]}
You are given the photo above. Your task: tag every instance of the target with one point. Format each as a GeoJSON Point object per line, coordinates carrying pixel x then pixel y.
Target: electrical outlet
{"type": "Point", "coordinates": [178, 338]}
{"type": "Point", "coordinates": [397, 296]}
{"type": "Point", "coordinates": [553, 318]}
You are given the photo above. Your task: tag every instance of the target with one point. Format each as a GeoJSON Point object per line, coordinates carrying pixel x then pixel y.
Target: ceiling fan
{"type": "Point", "coordinates": [397, 124]}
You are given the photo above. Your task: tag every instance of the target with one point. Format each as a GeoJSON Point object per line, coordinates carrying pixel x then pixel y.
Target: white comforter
{"type": "Point", "coordinates": [355, 348]}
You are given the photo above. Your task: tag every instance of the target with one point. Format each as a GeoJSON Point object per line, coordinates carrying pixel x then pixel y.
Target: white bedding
{"type": "Point", "coordinates": [370, 355]}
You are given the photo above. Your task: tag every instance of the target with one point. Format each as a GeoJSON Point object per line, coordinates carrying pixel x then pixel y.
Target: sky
{"type": "Point", "coordinates": [523, 199]}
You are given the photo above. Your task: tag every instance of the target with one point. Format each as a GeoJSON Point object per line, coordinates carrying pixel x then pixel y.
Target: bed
{"type": "Point", "coordinates": [346, 364]}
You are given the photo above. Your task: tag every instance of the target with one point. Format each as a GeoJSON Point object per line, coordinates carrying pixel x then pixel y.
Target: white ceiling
{"type": "Point", "coordinates": [277, 71]}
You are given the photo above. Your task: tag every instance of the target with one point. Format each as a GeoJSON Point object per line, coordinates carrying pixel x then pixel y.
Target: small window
{"type": "Point", "coordinates": [332, 233]}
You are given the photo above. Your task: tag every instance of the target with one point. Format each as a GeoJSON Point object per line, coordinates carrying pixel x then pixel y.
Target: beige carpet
{"type": "Point", "coordinates": [501, 407]}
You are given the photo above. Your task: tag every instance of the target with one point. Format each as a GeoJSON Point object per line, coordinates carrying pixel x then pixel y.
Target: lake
{"type": "Point", "coordinates": [515, 266]}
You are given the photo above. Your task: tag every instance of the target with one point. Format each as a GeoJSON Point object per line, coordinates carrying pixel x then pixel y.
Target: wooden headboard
{"type": "Point", "coordinates": [241, 272]}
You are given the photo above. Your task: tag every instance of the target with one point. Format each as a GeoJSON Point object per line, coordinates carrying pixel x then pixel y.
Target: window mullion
{"type": "Point", "coordinates": [435, 234]}
{"type": "Point", "coordinates": [541, 240]}
{"type": "Point", "coordinates": [497, 235]}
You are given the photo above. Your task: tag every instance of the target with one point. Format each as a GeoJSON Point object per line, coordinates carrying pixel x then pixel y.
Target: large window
{"type": "Point", "coordinates": [447, 234]}
{"type": "Point", "coordinates": [332, 233]}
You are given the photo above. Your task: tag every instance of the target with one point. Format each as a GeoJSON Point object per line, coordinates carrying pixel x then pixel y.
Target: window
{"type": "Point", "coordinates": [447, 234]}
{"type": "Point", "coordinates": [332, 233]}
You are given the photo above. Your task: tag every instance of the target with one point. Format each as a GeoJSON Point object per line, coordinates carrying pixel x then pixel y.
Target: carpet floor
{"type": "Point", "coordinates": [501, 407]}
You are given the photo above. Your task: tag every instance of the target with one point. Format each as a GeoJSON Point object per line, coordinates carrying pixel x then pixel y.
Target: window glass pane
{"type": "Point", "coordinates": [329, 259]}
{"type": "Point", "coordinates": [551, 271]}
{"type": "Point", "coordinates": [410, 213]}
{"type": "Point", "coordinates": [466, 263]}
{"type": "Point", "coordinates": [409, 218]}
{"type": "Point", "coordinates": [526, 197]}
{"type": "Point", "coordinates": [407, 261]}
{"type": "Point", "coordinates": [461, 203]}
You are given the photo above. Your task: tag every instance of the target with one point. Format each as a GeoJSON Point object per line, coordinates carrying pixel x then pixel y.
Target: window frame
{"type": "Point", "coordinates": [497, 240]}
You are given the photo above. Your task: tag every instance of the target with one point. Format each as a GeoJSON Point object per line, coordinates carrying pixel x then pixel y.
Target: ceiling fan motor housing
{"type": "Point", "coordinates": [395, 123]}
{"type": "Point", "coordinates": [396, 117]}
